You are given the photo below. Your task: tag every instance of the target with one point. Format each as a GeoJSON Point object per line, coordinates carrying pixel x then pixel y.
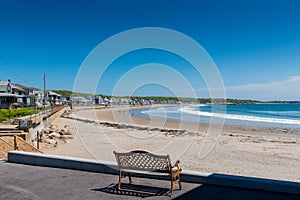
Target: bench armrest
{"type": "Point", "coordinates": [176, 164]}
{"type": "Point", "coordinates": [175, 167]}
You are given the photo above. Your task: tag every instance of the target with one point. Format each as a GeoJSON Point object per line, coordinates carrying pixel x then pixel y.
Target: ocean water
{"type": "Point", "coordinates": [266, 115]}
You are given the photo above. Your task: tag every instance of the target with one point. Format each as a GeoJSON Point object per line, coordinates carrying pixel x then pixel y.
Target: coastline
{"type": "Point", "coordinates": [120, 115]}
{"type": "Point", "coordinates": [239, 150]}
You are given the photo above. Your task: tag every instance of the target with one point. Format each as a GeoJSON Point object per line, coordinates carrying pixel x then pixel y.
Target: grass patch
{"type": "Point", "coordinates": [7, 114]}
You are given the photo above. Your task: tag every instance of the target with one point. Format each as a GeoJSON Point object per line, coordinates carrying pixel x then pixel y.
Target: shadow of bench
{"type": "Point", "coordinates": [142, 191]}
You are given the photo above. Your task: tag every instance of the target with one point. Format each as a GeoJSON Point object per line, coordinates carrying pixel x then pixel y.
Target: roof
{"type": "Point", "coordinates": [53, 93]}
{"type": "Point", "coordinates": [25, 87]}
{"type": "Point", "coordinates": [3, 85]}
{"type": "Point", "coordinates": [11, 95]}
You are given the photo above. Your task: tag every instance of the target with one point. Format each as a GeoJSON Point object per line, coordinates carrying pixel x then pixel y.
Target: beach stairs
{"type": "Point", "coordinates": [7, 143]}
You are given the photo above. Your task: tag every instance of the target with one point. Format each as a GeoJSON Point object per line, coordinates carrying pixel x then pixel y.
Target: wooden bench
{"type": "Point", "coordinates": [139, 160]}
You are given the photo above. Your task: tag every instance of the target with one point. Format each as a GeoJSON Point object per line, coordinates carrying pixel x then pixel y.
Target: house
{"type": "Point", "coordinates": [32, 95]}
{"type": "Point", "coordinates": [65, 98]}
{"type": "Point", "coordinates": [11, 95]}
{"type": "Point", "coordinates": [54, 98]}
{"type": "Point", "coordinates": [39, 96]}
{"type": "Point", "coordinates": [80, 100]}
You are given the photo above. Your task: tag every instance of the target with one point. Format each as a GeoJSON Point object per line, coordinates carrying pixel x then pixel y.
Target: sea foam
{"type": "Point", "coordinates": [192, 111]}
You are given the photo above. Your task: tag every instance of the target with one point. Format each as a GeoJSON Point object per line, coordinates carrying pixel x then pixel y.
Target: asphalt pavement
{"type": "Point", "coordinates": [18, 181]}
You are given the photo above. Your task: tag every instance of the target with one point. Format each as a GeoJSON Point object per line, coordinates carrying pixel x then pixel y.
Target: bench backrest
{"type": "Point", "coordinates": [144, 161]}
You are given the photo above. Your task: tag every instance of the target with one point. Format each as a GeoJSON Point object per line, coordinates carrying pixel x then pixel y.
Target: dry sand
{"type": "Point", "coordinates": [272, 153]}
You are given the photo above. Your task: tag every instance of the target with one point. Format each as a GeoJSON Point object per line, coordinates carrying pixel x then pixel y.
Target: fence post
{"type": "Point", "coordinates": [15, 142]}
{"type": "Point", "coordinates": [38, 140]}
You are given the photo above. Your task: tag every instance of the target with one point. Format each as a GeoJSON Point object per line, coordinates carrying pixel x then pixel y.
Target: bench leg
{"type": "Point", "coordinates": [129, 176]}
{"type": "Point", "coordinates": [120, 180]}
{"type": "Point", "coordinates": [179, 182]}
{"type": "Point", "coordinates": [180, 186]}
{"type": "Point", "coordinates": [175, 179]}
{"type": "Point", "coordinates": [172, 188]}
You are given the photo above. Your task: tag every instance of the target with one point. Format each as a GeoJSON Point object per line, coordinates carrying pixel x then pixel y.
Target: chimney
{"type": "Point", "coordinates": [8, 86]}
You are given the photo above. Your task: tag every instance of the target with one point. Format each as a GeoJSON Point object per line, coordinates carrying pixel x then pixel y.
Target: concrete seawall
{"type": "Point", "coordinates": [187, 176]}
{"type": "Point", "coordinates": [44, 123]}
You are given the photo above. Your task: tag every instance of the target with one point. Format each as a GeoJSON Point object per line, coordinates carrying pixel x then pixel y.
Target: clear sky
{"type": "Point", "coordinates": [254, 43]}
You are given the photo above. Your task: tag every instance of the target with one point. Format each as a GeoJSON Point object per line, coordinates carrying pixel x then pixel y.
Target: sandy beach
{"type": "Point", "coordinates": [272, 153]}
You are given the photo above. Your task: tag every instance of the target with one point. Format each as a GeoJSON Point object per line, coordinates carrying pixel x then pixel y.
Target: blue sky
{"type": "Point", "coordinates": [255, 44]}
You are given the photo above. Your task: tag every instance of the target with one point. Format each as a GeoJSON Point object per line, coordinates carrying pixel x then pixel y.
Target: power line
{"type": "Point", "coordinates": [11, 68]}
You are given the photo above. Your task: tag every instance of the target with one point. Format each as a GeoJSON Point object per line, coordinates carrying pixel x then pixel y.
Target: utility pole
{"type": "Point", "coordinates": [44, 90]}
